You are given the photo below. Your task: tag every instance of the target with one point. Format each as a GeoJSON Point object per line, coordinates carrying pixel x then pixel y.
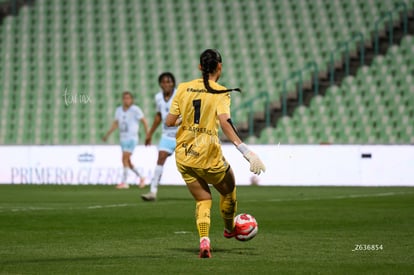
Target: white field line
{"type": "Point", "coordinates": [109, 206]}
{"type": "Point", "coordinates": [340, 197]}
{"type": "Point", "coordinates": [25, 209]}
{"type": "Point", "coordinates": [31, 208]}
{"type": "Point", "coordinates": [91, 207]}
{"type": "Point", "coordinates": [182, 232]}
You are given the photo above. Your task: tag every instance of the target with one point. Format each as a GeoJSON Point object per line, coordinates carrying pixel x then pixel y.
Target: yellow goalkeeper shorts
{"type": "Point", "coordinates": [209, 175]}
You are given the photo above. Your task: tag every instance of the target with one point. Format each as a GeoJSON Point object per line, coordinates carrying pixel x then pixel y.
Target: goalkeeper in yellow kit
{"type": "Point", "coordinates": [200, 106]}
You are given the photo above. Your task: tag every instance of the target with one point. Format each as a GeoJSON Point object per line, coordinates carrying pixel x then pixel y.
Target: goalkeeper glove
{"type": "Point", "coordinates": [256, 165]}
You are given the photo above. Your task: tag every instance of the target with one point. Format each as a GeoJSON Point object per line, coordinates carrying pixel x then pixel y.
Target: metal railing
{"type": "Point", "coordinates": [312, 66]}
{"type": "Point", "coordinates": [357, 36]}
{"type": "Point", "coordinates": [388, 15]}
{"type": "Point", "coordinates": [249, 104]}
{"type": "Point", "coordinates": [403, 6]}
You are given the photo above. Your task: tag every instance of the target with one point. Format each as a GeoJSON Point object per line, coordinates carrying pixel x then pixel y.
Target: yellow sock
{"type": "Point", "coordinates": [203, 217]}
{"type": "Point", "coordinates": [228, 208]}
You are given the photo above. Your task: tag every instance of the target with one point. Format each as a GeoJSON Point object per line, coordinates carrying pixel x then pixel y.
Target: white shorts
{"type": "Point", "coordinates": [167, 144]}
{"type": "Point", "coordinates": [128, 145]}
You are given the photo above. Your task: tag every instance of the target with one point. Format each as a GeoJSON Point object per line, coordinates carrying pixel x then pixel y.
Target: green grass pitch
{"type": "Point", "coordinates": [302, 230]}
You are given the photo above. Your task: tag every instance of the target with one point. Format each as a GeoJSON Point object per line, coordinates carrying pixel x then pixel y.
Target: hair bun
{"type": "Point", "coordinates": [209, 60]}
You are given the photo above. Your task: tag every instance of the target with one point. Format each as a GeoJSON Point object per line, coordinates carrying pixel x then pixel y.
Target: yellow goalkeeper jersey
{"type": "Point", "coordinates": [198, 144]}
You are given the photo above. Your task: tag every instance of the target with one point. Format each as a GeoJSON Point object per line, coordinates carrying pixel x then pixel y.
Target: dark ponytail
{"type": "Point", "coordinates": [209, 61]}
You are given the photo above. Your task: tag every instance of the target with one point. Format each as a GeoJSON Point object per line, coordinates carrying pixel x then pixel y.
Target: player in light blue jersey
{"type": "Point", "coordinates": [166, 146]}
{"type": "Point", "coordinates": [127, 119]}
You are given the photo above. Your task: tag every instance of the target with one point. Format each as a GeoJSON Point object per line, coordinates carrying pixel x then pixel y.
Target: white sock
{"type": "Point", "coordinates": [156, 179]}
{"type": "Point", "coordinates": [125, 175]}
{"type": "Point", "coordinates": [136, 172]}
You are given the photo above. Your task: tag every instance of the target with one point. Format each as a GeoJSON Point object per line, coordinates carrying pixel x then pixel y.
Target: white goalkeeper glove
{"type": "Point", "coordinates": [256, 165]}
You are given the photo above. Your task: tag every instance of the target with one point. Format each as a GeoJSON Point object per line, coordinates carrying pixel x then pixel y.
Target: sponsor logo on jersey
{"type": "Point", "coordinates": [190, 151]}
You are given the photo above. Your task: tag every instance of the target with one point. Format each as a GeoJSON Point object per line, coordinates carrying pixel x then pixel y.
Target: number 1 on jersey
{"type": "Point", "coordinates": [197, 107]}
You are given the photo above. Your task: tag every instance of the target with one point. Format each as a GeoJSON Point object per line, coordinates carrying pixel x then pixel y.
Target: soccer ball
{"type": "Point", "coordinates": [246, 227]}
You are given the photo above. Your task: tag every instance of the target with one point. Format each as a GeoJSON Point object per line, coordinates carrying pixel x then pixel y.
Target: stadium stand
{"type": "Point", "coordinates": [100, 48]}
{"type": "Point", "coordinates": [375, 107]}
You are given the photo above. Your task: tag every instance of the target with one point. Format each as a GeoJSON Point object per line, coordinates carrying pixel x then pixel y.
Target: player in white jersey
{"type": "Point", "coordinates": [127, 119]}
{"type": "Point", "coordinates": [166, 146]}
